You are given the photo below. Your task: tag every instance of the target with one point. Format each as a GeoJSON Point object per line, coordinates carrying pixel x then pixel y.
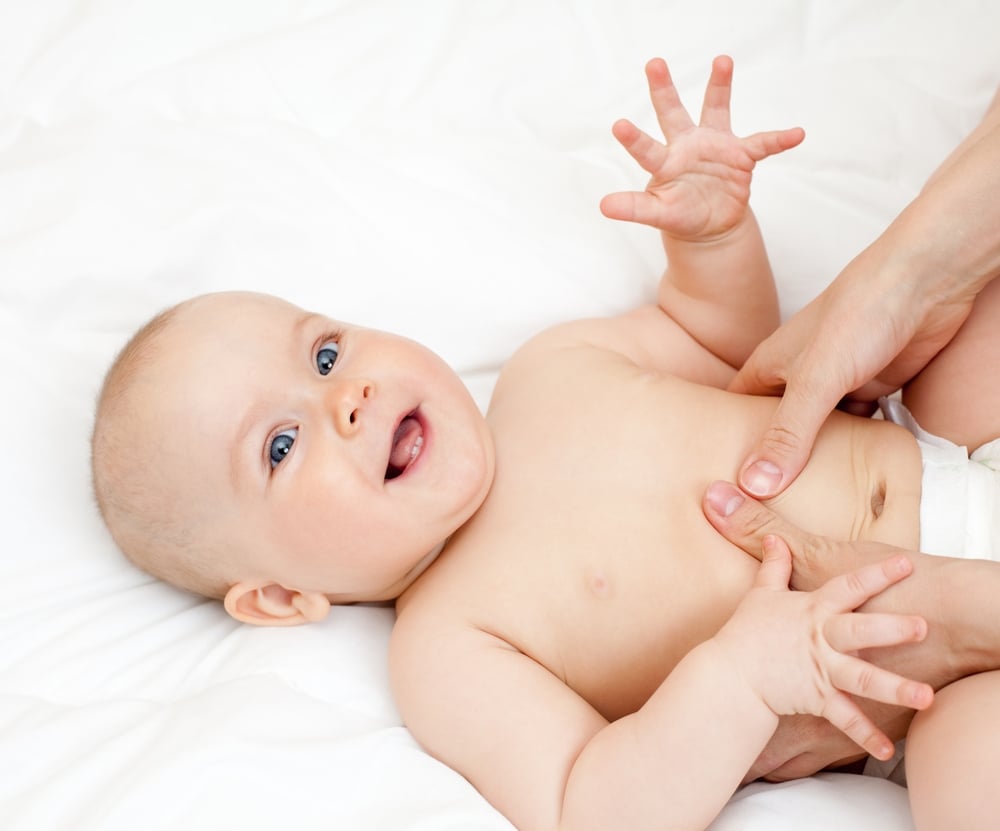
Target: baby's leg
{"type": "Point", "coordinates": [953, 756]}
{"type": "Point", "coordinates": [957, 395]}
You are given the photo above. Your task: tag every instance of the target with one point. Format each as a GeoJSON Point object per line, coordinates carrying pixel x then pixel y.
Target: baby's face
{"type": "Point", "coordinates": [332, 458]}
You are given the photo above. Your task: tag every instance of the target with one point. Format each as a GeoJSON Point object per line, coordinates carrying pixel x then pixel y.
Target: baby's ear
{"type": "Point", "coordinates": [270, 604]}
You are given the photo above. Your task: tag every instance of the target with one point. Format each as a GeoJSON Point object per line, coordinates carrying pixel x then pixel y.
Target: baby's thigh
{"type": "Point", "coordinates": [953, 755]}
{"type": "Point", "coordinates": [957, 395]}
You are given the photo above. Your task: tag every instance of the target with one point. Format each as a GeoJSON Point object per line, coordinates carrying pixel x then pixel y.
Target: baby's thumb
{"type": "Point", "coordinates": [776, 565]}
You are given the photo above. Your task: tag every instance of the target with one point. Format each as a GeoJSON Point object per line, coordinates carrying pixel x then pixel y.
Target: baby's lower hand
{"type": "Point", "coordinates": [796, 649]}
{"type": "Point", "coordinates": [700, 184]}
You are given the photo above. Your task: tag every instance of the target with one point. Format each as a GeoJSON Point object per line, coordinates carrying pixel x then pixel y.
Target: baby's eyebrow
{"type": "Point", "coordinates": [302, 323]}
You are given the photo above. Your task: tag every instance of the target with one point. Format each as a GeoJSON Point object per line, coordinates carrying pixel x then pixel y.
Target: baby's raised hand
{"type": "Point", "coordinates": [796, 650]}
{"type": "Point", "coordinates": [700, 178]}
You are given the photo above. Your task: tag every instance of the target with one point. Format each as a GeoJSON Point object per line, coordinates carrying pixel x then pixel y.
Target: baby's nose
{"type": "Point", "coordinates": [348, 398]}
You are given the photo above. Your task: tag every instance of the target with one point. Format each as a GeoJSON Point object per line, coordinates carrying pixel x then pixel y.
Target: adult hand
{"type": "Point", "coordinates": [801, 746]}
{"type": "Point", "coordinates": [886, 315]}
{"type": "Point", "coordinates": [866, 335]}
{"type": "Point", "coordinates": [815, 559]}
{"type": "Point", "coordinates": [804, 744]}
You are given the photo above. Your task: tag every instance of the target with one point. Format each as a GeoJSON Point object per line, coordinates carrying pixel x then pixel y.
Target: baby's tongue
{"type": "Point", "coordinates": [403, 442]}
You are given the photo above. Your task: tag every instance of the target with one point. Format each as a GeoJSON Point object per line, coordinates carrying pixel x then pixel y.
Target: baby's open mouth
{"type": "Point", "coordinates": [406, 443]}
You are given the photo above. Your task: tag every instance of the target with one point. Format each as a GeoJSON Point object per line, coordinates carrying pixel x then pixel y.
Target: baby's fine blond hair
{"type": "Point", "coordinates": [154, 526]}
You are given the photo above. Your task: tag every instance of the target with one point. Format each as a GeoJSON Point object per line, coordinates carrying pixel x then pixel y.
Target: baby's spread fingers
{"type": "Point", "coordinates": [632, 206]}
{"type": "Point", "coordinates": [848, 591]}
{"type": "Point", "coordinates": [858, 677]}
{"type": "Point", "coordinates": [850, 632]}
{"type": "Point", "coordinates": [642, 147]}
{"type": "Point", "coordinates": [762, 145]}
{"type": "Point", "coordinates": [670, 112]}
{"type": "Point", "coordinates": [715, 109]}
{"type": "Point", "coordinates": [847, 717]}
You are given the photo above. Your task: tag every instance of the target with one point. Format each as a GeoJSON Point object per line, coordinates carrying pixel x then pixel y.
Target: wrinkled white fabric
{"type": "Point", "coordinates": [432, 168]}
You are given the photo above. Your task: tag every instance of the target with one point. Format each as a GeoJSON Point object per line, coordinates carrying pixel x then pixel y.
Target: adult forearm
{"type": "Point", "coordinates": [945, 245]}
{"type": "Point", "coordinates": [957, 598]}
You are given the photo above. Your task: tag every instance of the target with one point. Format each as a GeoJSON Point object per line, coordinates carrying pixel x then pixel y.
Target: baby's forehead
{"type": "Point", "coordinates": [233, 307]}
{"type": "Point", "coordinates": [226, 320]}
{"type": "Point", "coordinates": [214, 339]}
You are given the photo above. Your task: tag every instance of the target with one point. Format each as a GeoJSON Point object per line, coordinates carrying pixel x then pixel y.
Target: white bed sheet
{"type": "Point", "coordinates": [432, 168]}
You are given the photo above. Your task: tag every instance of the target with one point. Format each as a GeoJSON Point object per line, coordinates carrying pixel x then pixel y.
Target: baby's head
{"type": "Point", "coordinates": [247, 450]}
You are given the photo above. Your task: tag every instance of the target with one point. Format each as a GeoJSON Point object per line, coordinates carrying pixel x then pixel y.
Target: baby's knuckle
{"type": "Point", "coordinates": [855, 585]}
{"type": "Point", "coordinates": [865, 681]}
{"type": "Point", "coordinates": [855, 727]}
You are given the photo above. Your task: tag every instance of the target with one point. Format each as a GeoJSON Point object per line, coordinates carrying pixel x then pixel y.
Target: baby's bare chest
{"type": "Point", "coordinates": [597, 559]}
{"type": "Point", "coordinates": [592, 554]}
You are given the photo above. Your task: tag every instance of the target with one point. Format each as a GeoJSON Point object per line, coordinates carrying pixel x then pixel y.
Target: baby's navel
{"type": "Point", "coordinates": [878, 499]}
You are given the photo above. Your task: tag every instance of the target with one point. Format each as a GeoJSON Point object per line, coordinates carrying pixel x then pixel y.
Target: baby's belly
{"type": "Point", "coordinates": [599, 562]}
{"type": "Point", "coordinates": [635, 576]}
{"type": "Point", "coordinates": [862, 482]}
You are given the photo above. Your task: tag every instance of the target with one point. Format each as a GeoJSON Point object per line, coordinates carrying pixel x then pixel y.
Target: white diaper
{"type": "Point", "coordinates": [959, 509]}
{"type": "Point", "coordinates": [960, 493]}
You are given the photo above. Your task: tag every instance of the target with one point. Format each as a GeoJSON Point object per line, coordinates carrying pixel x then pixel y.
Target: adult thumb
{"type": "Point", "coordinates": [784, 448]}
{"type": "Point", "coordinates": [745, 522]}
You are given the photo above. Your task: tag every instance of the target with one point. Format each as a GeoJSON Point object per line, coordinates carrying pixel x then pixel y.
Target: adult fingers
{"type": "Point", "coordinates": [782, 451]}
{"type": "Point", "coordinates": [745, 522]}
{"type": "Point", "coordinates": [811, 381]}
{"type": "Point", "coordinates": [806, 764]}
{"type": "Point", "coordinates": [775, 359]}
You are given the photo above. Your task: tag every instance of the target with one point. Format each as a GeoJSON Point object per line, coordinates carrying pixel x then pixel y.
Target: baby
{"type": "Point", "coordinates": [572, 634]}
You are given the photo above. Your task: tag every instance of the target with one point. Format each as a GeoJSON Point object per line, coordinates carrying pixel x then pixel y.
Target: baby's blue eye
{"type": "Point", "coordinates": [281, 444]}
{"type": "Point", "coordinates": [327, 357]}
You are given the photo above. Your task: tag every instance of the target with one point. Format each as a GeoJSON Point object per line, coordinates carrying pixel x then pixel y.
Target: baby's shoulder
{"type": "Point", "coordinates": [437, 631]}
{"type": "Point", "coordinates": [645, 338]}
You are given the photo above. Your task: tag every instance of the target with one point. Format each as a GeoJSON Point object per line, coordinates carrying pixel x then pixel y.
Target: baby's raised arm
{"type": "Point", "coordinates": [718, 284]}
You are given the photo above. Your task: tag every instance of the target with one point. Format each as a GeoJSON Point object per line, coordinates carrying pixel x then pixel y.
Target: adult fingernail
{"type": "Point", "coordinates": [723, 498]}
{"type": "Point", "coordinates": [762, 478]}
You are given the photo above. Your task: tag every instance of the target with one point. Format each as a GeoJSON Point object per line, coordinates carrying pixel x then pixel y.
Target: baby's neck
{"type": "Point", "coordinates": [425, 562]}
